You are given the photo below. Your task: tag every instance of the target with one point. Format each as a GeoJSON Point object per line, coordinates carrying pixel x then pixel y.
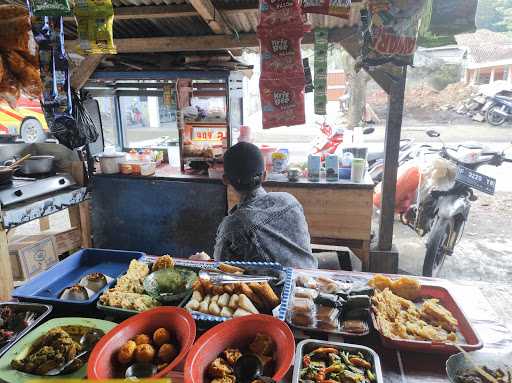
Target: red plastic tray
{"type": "Point", "coordinates": [471, 341]}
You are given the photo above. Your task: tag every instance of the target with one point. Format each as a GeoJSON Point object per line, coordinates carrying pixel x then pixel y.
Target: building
{"type": "Point", "coordinates": [488, 58]}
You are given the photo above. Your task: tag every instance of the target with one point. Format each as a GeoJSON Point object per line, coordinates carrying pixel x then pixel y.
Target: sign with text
{"type": "Point", "coordinates": [208, 134]}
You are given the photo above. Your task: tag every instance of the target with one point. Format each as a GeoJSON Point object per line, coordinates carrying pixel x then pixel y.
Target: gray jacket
{"type": "Point", "coordinates": [266, 227]}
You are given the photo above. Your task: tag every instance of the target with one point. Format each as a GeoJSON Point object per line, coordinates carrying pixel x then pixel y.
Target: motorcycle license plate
{"type": "Point", "coordinates": [476, 180]}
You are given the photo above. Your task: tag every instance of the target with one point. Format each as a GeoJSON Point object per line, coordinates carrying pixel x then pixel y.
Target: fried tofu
{"type": "Point", "coordinates": [219, 368]}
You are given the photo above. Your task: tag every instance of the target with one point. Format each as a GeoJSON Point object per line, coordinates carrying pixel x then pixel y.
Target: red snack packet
{"type": "Point", "coordinates": [280, 51]}
{"type": "Point", "coordinates": [338, 8]}
{"type": "Point", "coordinates": [279, 12]}
{"type": "Point", "coordinates": [282, 102]}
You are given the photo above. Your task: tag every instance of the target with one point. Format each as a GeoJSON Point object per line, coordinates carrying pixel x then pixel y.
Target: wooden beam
{"type": "Point", "coordinates": [179, 44]}
{"type": "Point", "coordinates": [211, 16]}
{"type": "Point", "coordinates": [85, 69]}
{"type": "Point", "coordinates": [150, 12]}
{"type": "Point", "coordinates": [209, 42]}
{"type": "Point", "coordinates": [391, 151]}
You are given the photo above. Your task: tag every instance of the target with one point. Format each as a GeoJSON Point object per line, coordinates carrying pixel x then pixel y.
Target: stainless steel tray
{"type": "Point", "coordinates": [42, 311]}
{"type": "Point", "coordinates": [309, 345]}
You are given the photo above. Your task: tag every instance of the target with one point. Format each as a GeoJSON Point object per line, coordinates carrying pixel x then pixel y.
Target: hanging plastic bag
{"type": "Point", "coordinates": [280, 12]}
{"type": "Point", "coordinates": [321, 45]}
{"type": "Point", "coordinates": [282, 102]}
{"type": "Point", "coordinates": [338, 8]}
{"type": "Point", "coordinates": [50, 7]}
{"type": "Point", "coordinates": [280, 51]}
{"type": "Point", "coordinates": [95, 20]}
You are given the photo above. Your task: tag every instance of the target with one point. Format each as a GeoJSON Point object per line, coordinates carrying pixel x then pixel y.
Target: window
{"type": "Point", "coordinates": [108, 119]}
{"type": "Point", "coordinates": [146, 121]}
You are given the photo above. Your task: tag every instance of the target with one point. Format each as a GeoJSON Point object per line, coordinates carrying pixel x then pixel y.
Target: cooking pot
{"type": "Point", "coordinates": [35, 165]}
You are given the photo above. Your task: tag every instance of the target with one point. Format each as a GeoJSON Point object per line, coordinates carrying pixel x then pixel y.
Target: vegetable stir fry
{"type": "Point", "coordinates": [330, 365]}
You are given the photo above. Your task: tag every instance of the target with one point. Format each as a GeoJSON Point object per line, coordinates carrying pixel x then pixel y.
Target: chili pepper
{"type": "Point", "coordinates": [320, 376]}
{"type": "Point", "coordinates": [360, 362]}
{"type": "Point", "coordinates": [325, 350]}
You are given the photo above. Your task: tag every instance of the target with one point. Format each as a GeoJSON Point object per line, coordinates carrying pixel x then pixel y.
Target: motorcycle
{"type": "Point", "coordinates": [443, 202]}
{"type": "Point", "coordinates": [376, 159]}
{"type": "Point", "coordinates": [499, 111]}
{"type": "Point", "coordinates": [330, 139]}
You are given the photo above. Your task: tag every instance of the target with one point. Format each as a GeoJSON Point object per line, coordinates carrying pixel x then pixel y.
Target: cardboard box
{"type": "Point", "coordinates": [31, 255]}
{"type": "Point", "coordinates": [67, 240]}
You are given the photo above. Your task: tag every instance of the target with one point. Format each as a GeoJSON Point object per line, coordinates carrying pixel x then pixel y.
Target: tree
{"type": "Point", "coordinates": [495, 15]}
{"type": "Point", "coordinates": [355, 85]}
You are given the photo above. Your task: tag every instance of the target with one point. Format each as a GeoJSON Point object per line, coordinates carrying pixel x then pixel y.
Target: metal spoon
{"type": "Point", "coordinates": [225, 278]}
{"type": "Point", "coordinates": [249, 368]}
{"type": "Point", "coordinates": [87, 341]}
{"type": "Point", "coordinates": [140, 370]}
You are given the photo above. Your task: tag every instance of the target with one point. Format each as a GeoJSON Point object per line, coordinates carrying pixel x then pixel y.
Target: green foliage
{"type": "Point", "coordinates": [429, 40]}
{"type": "Point", "coordinates": [495, 15]}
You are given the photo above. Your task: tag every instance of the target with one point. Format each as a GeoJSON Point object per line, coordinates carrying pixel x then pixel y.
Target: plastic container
{"type": "Point", "coordinates": [177, 320]}
{"type": "Point", "coordinates": [471, 341]}
{"type": "Point", "coordinates": [238, 333]}
{"type": "Point", "coordinates": [357, 170]}
{"type": "Point", "coordinates": [332, 168]}
{"type": "Point", "coordinates": [40, 310]}
{"type": "Point", "coordinates": [267, 151]}
{"type": "Point", "coordinates": [314, 167]}
{"type": "Point", "coordinates": [47, 286]}
{"type": "Point", "coordinates": [308, 345]}
{"type": "Point", "coordinates": [304, 292]}
{"type": "Point", "coordinates": [109, 163]}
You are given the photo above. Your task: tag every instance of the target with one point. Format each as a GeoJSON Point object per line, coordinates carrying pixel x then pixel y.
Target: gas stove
{"type": "Point", "coordinates": [24, 188]}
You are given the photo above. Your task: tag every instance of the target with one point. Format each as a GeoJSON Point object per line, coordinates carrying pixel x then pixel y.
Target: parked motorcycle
{"type": "Point", "coordinates": [376, 159]}
{"type": "Point", "coordinates": [499, 111]}
{"type": "Point", "coordinates": [444, 198]}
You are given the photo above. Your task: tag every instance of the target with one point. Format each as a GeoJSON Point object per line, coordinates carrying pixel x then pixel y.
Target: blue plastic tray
{"type": "Point", "coordinates": [47, 286]}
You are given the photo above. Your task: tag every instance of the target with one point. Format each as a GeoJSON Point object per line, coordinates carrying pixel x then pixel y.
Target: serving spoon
{"type": "Point", "coordinates": [249, 368]}
{"type": "Point", "coordinates": [140, 370]}
{"type": "Point", "coordinates": [219, 278]}
{"type": "Point", "coordinates": [87, 341]}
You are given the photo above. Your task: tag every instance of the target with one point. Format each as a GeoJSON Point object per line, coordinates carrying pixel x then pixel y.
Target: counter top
{"type": "Point", "coordinates": [168, 173]}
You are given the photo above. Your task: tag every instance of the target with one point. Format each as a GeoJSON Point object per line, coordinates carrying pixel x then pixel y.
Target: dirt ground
{"type": "Point", "coordinates": [483, 254]}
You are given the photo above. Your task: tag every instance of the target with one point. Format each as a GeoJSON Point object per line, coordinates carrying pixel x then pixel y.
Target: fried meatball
{"type": "Point", "coordinates": [161, 336]}
{"type": "Point", "coordinates": [262, 344]}
{"type": "Point", "coordinates": [125, 355]}
{"type": "Point", "coordinates": [163, 262]}
{"type": "Point", "coordinates": [231, 355]}
{"type": "Point", "coordinates": [142, 339]}
{"type": "Point", "coordinates": [144, 353]}
{"type": "Point", "coordinates": [167, 352]}
{"type": "Point", "coordinates": [219, 369]}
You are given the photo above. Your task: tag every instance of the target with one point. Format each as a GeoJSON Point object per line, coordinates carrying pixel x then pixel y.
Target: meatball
{"type": "Point", "coordinates": [125, 355]}
{"type": "Point", "coordinates": [167, 352]}
{"type": "Point", "coordinates": [161, 336]}
{"type": "Point", "coordinates": [144, 353]}
{"type": "Point", "coordinates": [142, 339]}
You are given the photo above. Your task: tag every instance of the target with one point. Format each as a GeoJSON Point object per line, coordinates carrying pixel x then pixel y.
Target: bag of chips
{"type": "Point", "coordinates": [282, 102]}
{"type": "Point", "coordinates": [280, 51]}
{"type": "Point", "coordinates": [95, 20]}
{"type": "Point", "coordinates": [338, 8]}
{"type": "Point", "coordinates": [50, 7]}
{"type": "Point", "coordinates": [280, 12]}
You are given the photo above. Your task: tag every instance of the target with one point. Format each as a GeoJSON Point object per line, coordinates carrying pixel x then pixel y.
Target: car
{"type": "Point", "coordinates": [26, 121]}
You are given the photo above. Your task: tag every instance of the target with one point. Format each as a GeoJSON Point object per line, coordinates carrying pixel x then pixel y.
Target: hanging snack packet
{"type": "Point", "coordinates": [280, 51]}
{"type": "Point", "coordinates": [95, 21]}
{"type": "Point", "coordinates": [321, 45]}
{"type": "Point", "coordinates": [279, 12]}
{"type": "Point", "coordinates": [50, 7]}
{"type": "Point", "coordinates": [338, 8]}
{"type": "Point", "coordinates": [282, 102]}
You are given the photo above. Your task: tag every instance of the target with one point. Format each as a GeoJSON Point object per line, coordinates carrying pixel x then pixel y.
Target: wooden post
{"type": "Point", "coordinates": [6, 281]}
{"type": "Point", "coordinates": [85, 224]}
{"type": "Point", "coordinates": [44, 223]}
{"type": "Point", "coordinates": [391, 152]}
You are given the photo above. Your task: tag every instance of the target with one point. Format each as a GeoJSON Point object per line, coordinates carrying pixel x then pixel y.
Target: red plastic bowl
{"type": "Point", "coordinates": [102, 363]}
{"type": "Point", "coordinates": [239, 332]}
